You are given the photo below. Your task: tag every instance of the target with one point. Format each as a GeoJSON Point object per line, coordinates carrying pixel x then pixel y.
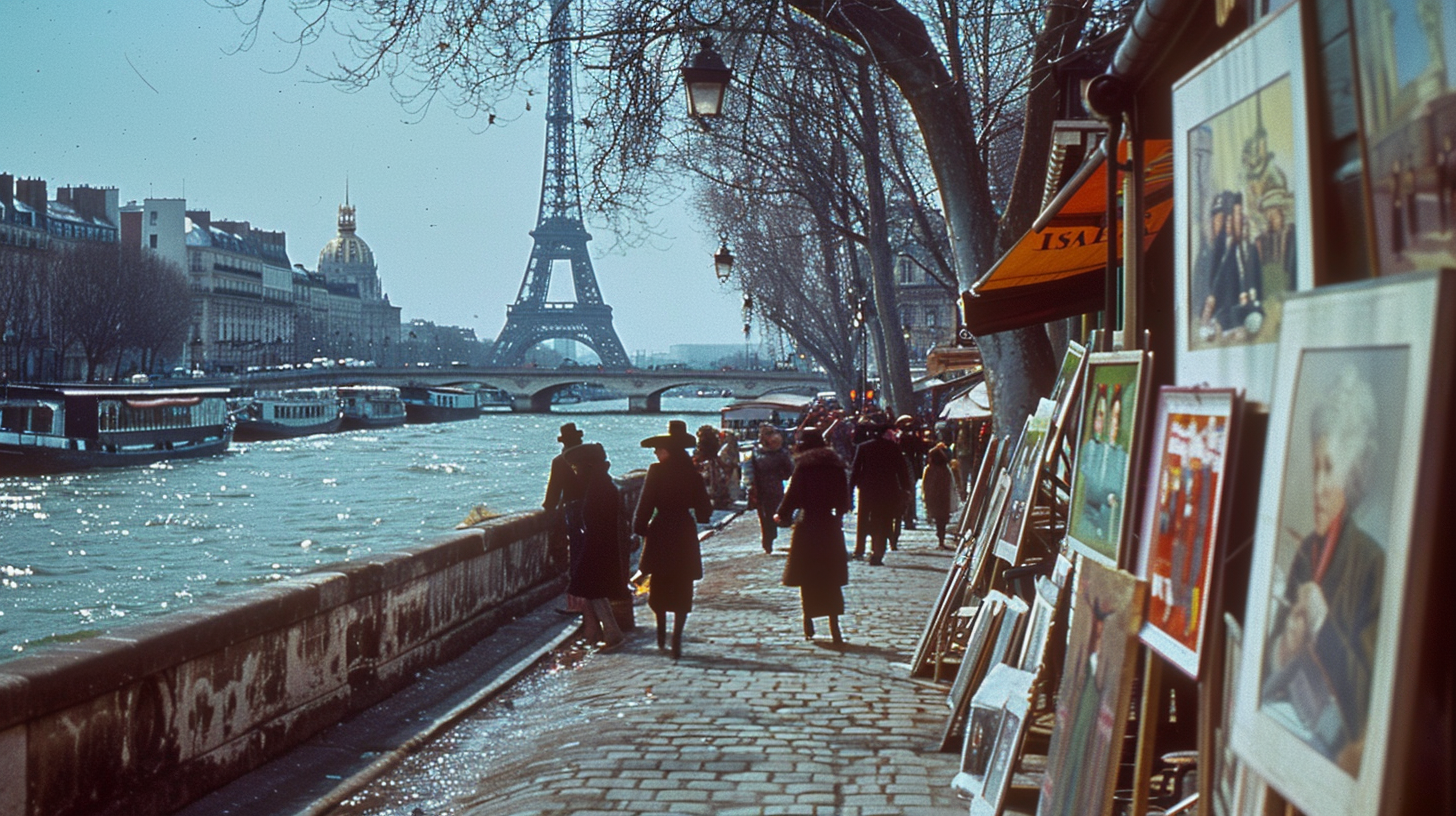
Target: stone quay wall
{"type": "Point", "coordinates": [150, 717]}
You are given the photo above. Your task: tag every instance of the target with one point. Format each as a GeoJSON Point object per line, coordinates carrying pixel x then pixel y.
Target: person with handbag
{"type": "Point", "coordinates": [672, 494]}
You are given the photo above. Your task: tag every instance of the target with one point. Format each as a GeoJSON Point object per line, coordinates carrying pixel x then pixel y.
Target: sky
{"type": "Point", "coordinates": [150, 98]}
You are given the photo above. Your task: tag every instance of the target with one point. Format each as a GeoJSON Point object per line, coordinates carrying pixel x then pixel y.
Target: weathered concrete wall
{"type": "Point", "coordinates": [148, 718]}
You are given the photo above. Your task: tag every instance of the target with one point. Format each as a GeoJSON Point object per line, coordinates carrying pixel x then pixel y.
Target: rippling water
{"type": "Point", "coordinates": [83, 553]}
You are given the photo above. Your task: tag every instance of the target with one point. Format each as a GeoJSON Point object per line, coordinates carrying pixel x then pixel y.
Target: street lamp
{"type": "Point", "coordinates": [706, 78]}
{"type": "Point", "coordinates": [723, 259]}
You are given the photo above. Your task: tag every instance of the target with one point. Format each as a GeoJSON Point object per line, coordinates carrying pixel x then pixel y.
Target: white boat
{"type": "Point", "coordinates": [780, 410]}
{"type": "Point", "coordinates": [59, 428]}
{"type": "Point", "coordinates": [289, 413]}
{"type": "Point", "coordinates": [371, 406]}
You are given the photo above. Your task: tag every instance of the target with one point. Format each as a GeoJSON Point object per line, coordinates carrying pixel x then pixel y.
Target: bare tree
{"type": "Point", "coordinates": [158, 307]}
{"type": "Point", "coordinates": [479, 55]}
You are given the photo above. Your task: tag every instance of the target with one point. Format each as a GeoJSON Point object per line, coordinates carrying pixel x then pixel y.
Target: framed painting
{"type": "Point", "coordinates": [1225, 765]}
{"type": "Point", "coordinates": [1003, 686]}
{"type": "Point", "coordinates": [1095, 692]}
{"type": "Point", "coordinates": [1039, 624]}
{"type": "Point", "coordinates": [1406, 80]}
{"type": "Point", "coordinates": [977, 658]}
{"type": "Point", "coordinates": [1353, 479]}
{"type": "Point", "coordinates": [1026, 470]}
{"type": "Point", "coordinates": [1006, 740]}
{"type": "Point", "coordinates": [1064, 393]}
{"type": "Point", "coordinates": [1242, 226]}
{"type": "Point", "coordinates": [1103, 480]}
{"type": "Point", "coordinates": [1182, 521]}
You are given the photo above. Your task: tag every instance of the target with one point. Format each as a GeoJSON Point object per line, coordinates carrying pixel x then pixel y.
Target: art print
{"type": "Point", "coordinates": [1006, 739]}
{"type": "Point", "coordinates": [1337, 553]}
{"type": "Point", "coordinates": [1095, 692]}
{"type": "Point", "coordinates": [1243, 229]}
{"type": "Point", "coordinates": [1182, 518]}
{"type": "Point", "coordinates": [1102, 476]}
{"type": "Point", "coordinates": [1025, 473]}
{"type": "Point", "coordinates": [1406, 70]}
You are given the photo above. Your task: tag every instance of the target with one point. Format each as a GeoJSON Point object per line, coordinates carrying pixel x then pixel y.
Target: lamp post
{"type": "Point", "coordinates": [195, 357]}
{"type": "Point", "coordinates": [705, 78]}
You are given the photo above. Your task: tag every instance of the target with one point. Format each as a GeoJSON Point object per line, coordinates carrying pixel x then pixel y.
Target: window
{"type": "Point", "coordinates": [153, 239]}
{"type": "Point", "coordinates": [930, 318]}
{"type": "Point", "coordinates": [153, 215]}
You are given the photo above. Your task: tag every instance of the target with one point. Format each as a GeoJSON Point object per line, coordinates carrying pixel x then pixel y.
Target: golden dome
{"type": "Point", "coordinates": [346, 248]}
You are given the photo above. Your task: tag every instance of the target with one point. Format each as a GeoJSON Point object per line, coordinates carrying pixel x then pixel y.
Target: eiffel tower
{"type": "Point", "coordinates": [560, 235]}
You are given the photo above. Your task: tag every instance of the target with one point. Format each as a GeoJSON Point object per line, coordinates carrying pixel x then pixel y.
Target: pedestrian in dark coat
{"type": "Point", "coordinates": [671, 494]}
{"type": "Point", "coordinates": [937, 487]}
{"type": "Point", "coordinates": [883, 480]}
{"type": "Point", "coordinates": [564, 491]}
{"type": "Point", "coordinates": [769, 465]}
{"type": "Point", "coordinates": [598, 575]}
{"type": "Point", "coordinates": [818, 563]}
{"type": "Point", "coordinates": [913, 448]}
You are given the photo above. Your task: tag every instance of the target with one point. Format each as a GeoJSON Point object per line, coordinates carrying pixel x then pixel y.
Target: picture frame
{"type": "Point", "coordinates": [1094, 696]}
{"type": "Point", "coordinates": [1006, 746]}
{"type": "Point", "coordinates": [1003, 688]}
{"type": "Point", "coordinates": [1339, 586]}
{"type": "Point", "coordinates": [1065, 392]}
{"type": "Point", "coordinates": [1104, 476]}
{"type": "Point", "coordinates": [974, 664]}
{"type": "Point", "coordinates": [1192, 441]}
{"type": "Point", "coordinates": [1405, 78]}
{"type": "Point", "coordinates": [1025, 469]}
{"type": "Point", "coordinates": [1240, 124]}
{"type": "Point", "coordinates": [1223, 785]}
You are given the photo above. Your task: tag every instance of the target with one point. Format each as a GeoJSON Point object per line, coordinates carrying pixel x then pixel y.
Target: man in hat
{"type": "Point", "coordinates": [1276, 243]}
{"type": "Point", "coordinates": [565, 490]}
{"type": "Point", "coordinates": [914, 449]}
{"type": "Point", "coordinates": [880, 473]}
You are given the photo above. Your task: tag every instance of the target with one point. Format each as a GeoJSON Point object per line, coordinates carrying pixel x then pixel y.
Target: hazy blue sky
{"type": "Point", "coordinates": [145, 97]}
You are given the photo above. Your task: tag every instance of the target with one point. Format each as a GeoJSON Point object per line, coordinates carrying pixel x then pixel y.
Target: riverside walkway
{"type": "Point", "coordinates": [752, 720]}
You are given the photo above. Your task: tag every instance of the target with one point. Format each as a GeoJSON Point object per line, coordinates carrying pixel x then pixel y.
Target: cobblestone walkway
{"type": "Point", "coordinates": [752, 720]}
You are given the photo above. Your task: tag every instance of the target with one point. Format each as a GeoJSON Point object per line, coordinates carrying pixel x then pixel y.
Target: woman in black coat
{"type": "Point", "coordinates": [818, 563]}
{"type": "Point", "coordinates": [671, 494]}
{"type": "Point", "coordinates": [597, 576]}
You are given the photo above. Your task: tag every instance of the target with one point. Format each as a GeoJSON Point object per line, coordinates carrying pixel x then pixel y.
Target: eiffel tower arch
{"type": "Point", "coordinates": [560, 235]}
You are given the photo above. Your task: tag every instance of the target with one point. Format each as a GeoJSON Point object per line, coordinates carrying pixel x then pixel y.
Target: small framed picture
{"type": "Point", "coordinates": [1006, 740]}
{"type": "Point", "coordinates": [1102, 480]}
{"type": "Point", "coordinates": [1242, 226]}
{"type": "Point", "coordinates": [1026, 472]}
{"type": "Point", "coordinates": [1354, 479]}
{"type": "Point", "coordinates": [1183, 511]}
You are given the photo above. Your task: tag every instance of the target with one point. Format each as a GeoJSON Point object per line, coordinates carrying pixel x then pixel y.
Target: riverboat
{"type": "Point", "coordinates": [60, 428]}
{"type": "Point", "coordinates": [289, 413]}
{"type": "Point", "coordinates": [438, 403]}
{"type": "Point", "coordinates": [371, 406]}
{"type": "Point", "coordinates": [743, 417]}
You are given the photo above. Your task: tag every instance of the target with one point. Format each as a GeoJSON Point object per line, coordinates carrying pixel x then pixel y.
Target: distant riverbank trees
{"type": "Point", "coordinates": [106, 309]}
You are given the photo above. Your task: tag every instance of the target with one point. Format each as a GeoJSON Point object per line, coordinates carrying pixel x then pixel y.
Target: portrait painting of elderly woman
{"type": "Point", "coordinates": [1324, 605]}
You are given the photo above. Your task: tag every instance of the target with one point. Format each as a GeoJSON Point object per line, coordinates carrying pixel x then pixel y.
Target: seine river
{"type": "Point", "coordinates": [85, 553]}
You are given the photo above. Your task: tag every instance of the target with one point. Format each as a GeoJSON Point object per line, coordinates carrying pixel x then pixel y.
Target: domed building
{"type": "Point", "coordinates": [355, 317]}
{"type": "Point", "coordinates": [347, 259]}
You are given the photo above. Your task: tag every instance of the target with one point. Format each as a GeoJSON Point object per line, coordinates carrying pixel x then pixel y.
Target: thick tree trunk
{"type": "Point", "coordinates": [1019, 364]}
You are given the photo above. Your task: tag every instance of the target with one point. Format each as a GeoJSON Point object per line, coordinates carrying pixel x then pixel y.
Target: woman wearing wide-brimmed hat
{"type": "Point", "coordinates": [672, 494]}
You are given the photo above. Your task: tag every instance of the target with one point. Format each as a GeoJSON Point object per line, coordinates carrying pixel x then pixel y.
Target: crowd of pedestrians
{"type": "Point", "coordinates": [807, 478]}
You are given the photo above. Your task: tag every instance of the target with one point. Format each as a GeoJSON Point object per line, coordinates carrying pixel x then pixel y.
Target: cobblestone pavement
{"type": "Point", "coordinates": [752, 720]}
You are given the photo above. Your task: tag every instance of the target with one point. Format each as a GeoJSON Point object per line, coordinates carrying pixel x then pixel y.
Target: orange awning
{"type": "Point", "coordinates": [1059, 271]}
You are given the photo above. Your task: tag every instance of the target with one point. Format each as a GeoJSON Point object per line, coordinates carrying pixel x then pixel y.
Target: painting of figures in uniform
{"type": "Point", "coordinates": [1244, 253]}
{"type": "Point", "coordinates": [1101, 476]}
{"type": "Point", "coordinates": [1243, 235]}
{"type": "Point", "coordinates": [1181, 518]}
{"type": "Point", "coordinates": [1093, 698]}
{"type": "Point", "coordinates": [1407, 79]}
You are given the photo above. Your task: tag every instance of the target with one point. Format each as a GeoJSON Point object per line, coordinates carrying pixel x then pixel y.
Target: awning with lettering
{"type": "Point", "coordinates": [1059, 270]}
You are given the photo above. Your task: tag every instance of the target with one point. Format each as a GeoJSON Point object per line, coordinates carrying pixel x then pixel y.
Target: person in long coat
{"type": "Point", "coordinates": [818, 562]}
{"type": "Point", "coordinates": [598, 574]}
{"type": "Point", "coordinates": [564, 491]}
{"type": "Point", "coordinates": [769, 466]}
{"type": "Point", "coordinates": [883, 479]}
{"type": "Point", "coordinates": [672, 494]}
{"type": "Point", "coordinates": [936, 486]}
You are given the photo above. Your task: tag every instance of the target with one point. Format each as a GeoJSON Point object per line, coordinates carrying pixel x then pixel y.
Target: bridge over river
{"type": "Point", "coordinates": [531, 389]}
